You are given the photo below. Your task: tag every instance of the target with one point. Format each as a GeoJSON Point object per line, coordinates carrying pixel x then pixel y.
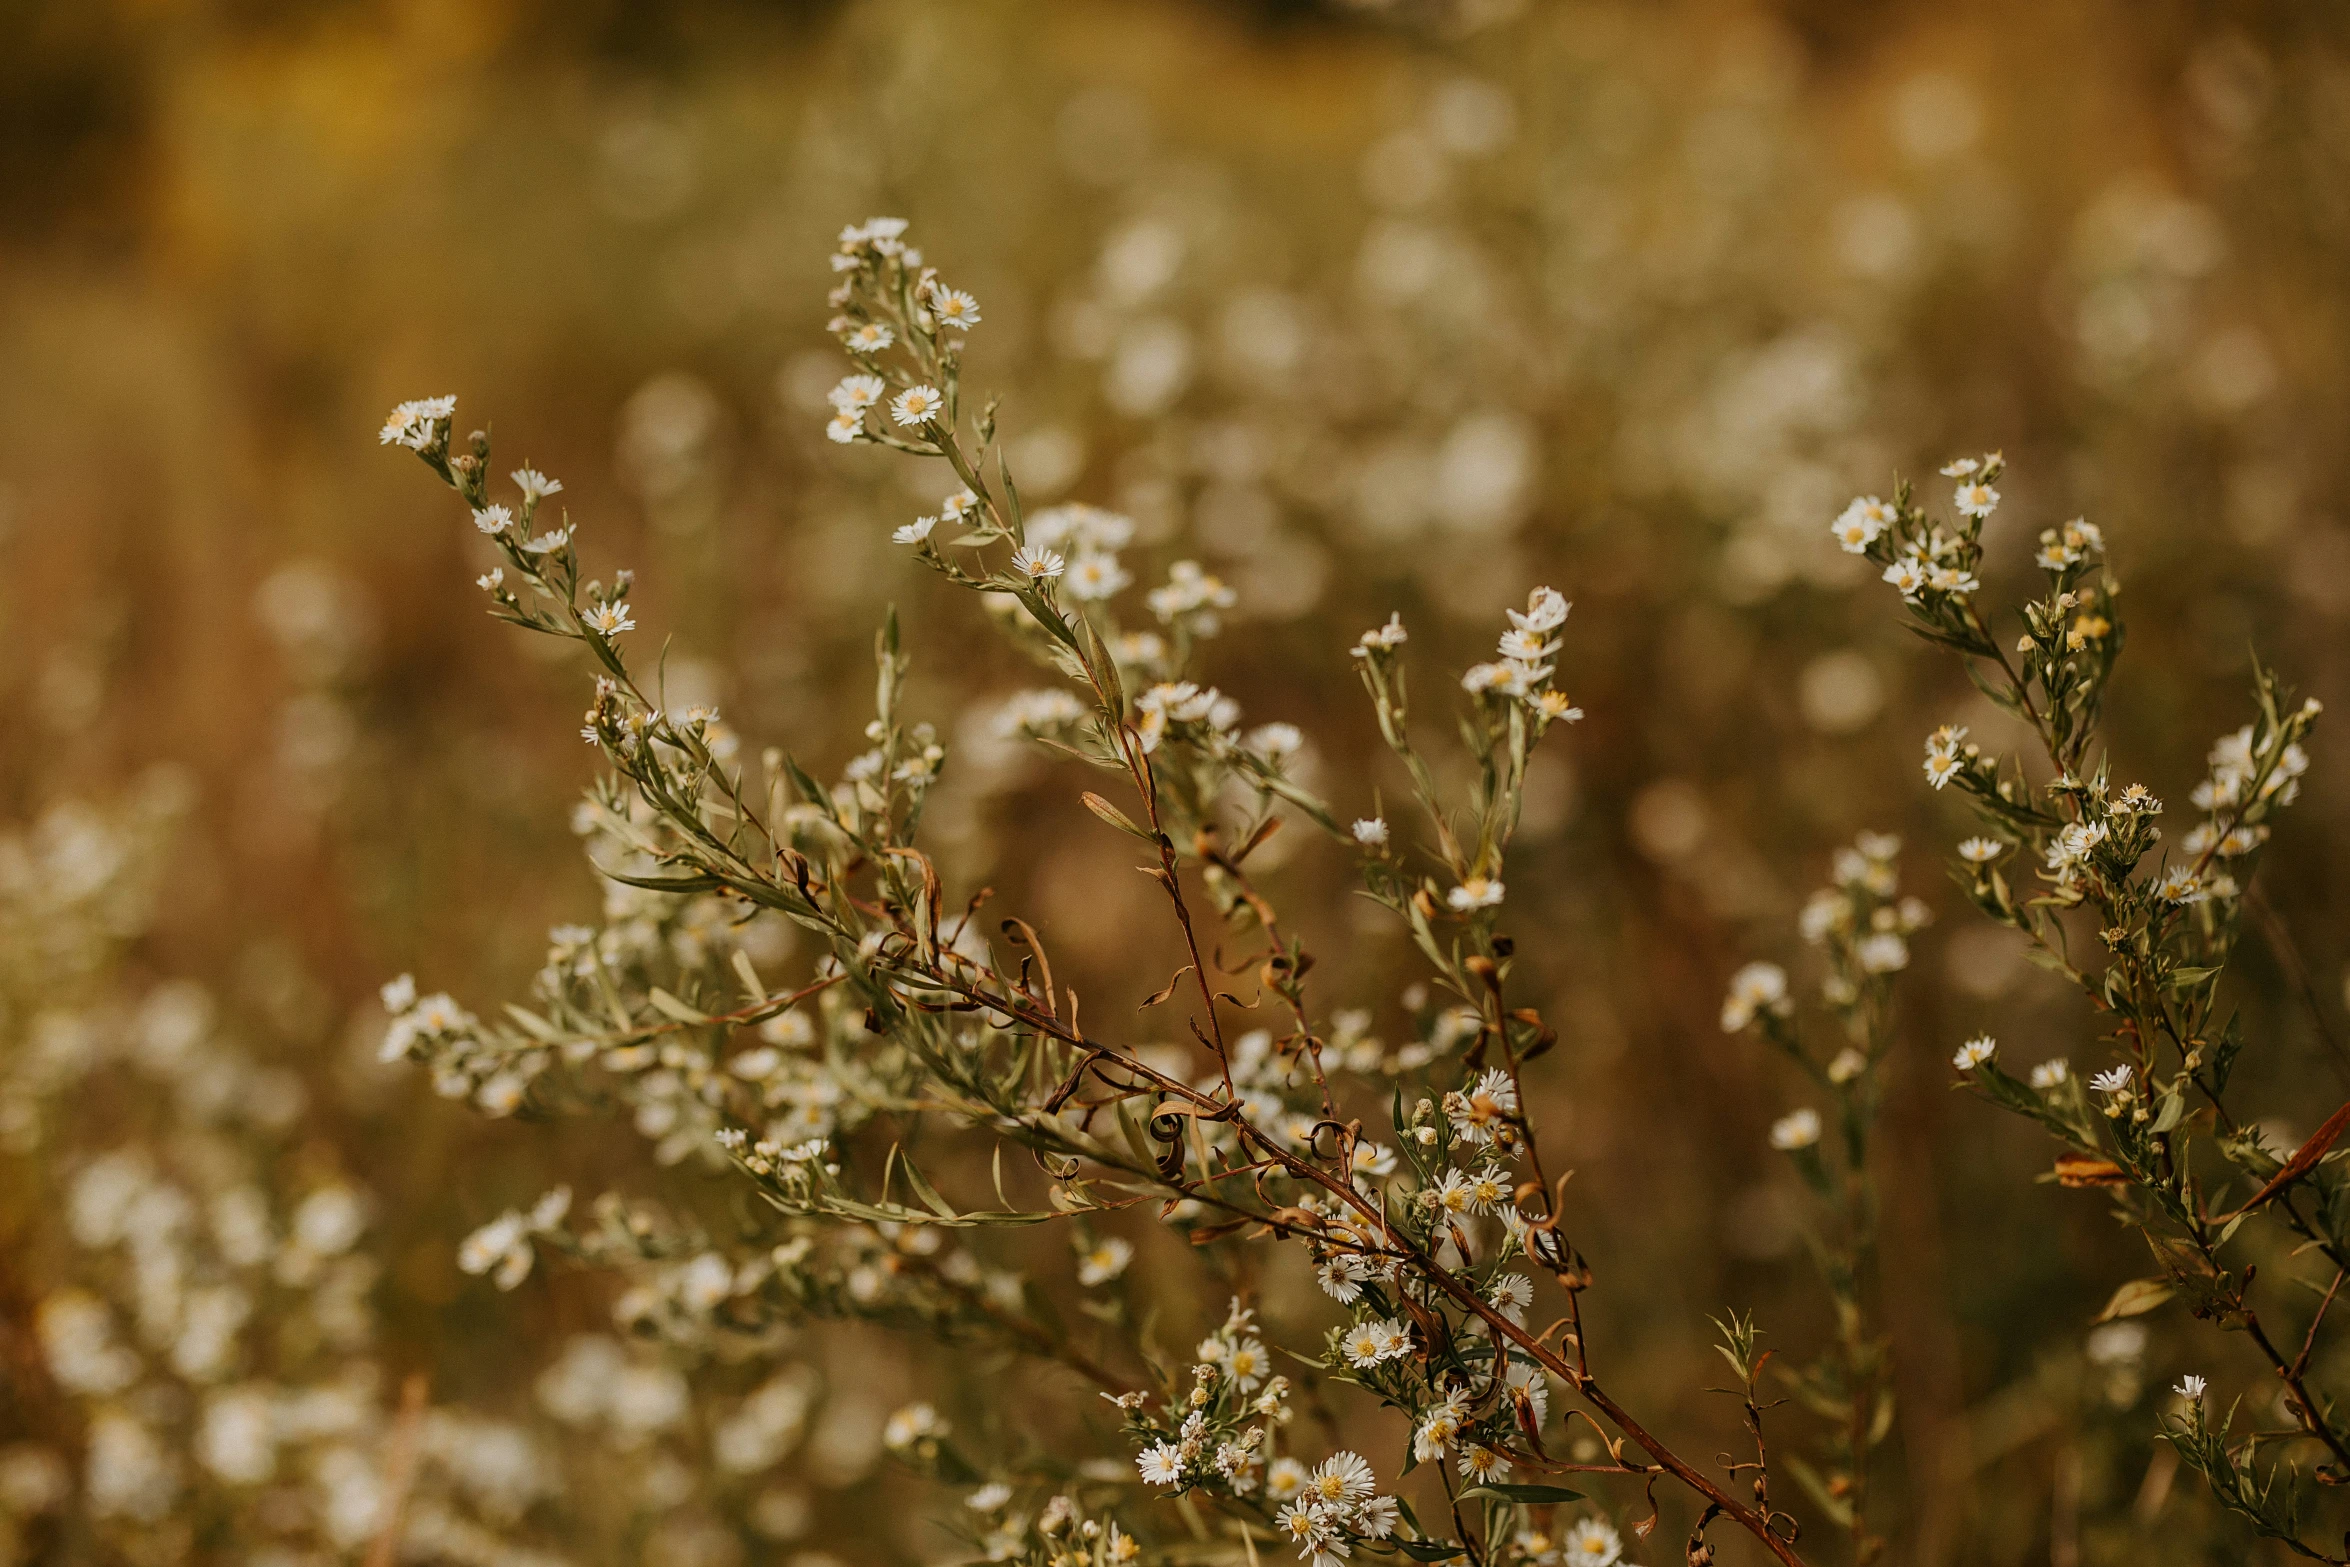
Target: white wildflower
{"type": "Point", "coordinates": [953, 308]}
{"type": "Point", "coordinates": [1756, 988]}
{"type": "Point", "coordinates": [1976, 500]}
{"type": "Point", "coordinates": [1038, 565]}
{"type": "Point", "coordinates": [1796, 1129]}
{"type": "Point", "coordinates": [1861, 524]}
{"type": "Point", "coordinates": [1478, 892]}
{"type": "Point", "coordinates": [1103, 1261]}
{"type": "Point", "coordinates": [916, 405]}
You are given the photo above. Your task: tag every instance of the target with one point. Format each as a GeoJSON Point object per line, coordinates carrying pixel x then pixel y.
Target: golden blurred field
{"type": "Point", "coordinates": [1370, 310]}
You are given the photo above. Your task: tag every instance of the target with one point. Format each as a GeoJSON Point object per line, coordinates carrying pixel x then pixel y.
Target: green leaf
{"type": "Point", "coordinates": [1115, 817]}
{"type": "Point", "coordinates": [928, 1193]}
{"type": "Point", "coordinates": [2136, 1298]}
{"type": "Point", "coordinates": [1839, 1511]}
{"type": "Point", "coordinates": [1529, 1495]}
{"type": "Point", "coordinates": [749, 975]}
{"type": "Point", "coordinates": [664, 1002]}
{"type": "Point", "coordinates": [538, 1027]}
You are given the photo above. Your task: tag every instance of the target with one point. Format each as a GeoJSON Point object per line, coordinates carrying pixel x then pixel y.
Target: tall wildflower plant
{"type": "Point", "coordinates": [1414, 1182]}
{"type": "Point", "coordinates": [1862, 925]}
{"type": "Point", "coordinates": [2078, 864]}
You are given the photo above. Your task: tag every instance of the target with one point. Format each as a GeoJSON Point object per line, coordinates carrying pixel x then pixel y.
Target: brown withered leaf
{"type": "Point", "coordinates": [2304, 1160]}
{"type": "Point", "coordinates": [2079, 1169]}
{"type": "Point", "coordinates": [1160, 996]}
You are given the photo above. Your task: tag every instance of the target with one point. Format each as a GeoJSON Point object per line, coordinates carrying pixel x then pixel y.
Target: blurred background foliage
{"type": "Point", "coordinates": [1403, 307]}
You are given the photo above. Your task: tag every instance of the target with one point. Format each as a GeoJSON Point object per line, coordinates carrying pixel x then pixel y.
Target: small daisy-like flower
{"type": "Point", "coordinates": [1758, 987]}
{"type": "Point", "coordinates": [959, 505]}
{"type": "Point", "coordinates": [1908, 576]}
{"type": "Point", "coordinates": [844, 427]}
{"type": "Point", "coordinates": [1343, 1477]}
{"type": "Point", "coordinates": [1097, 577]}
{"type": "Point", "coordinates": [1454, 1193]}
{"type": "Point", "coordinates": [1981, 851]}
{"type": "Point", "coordinates": [609, 619]}
{"type": "Point", "coordinates": [493, 520]}
{"type": "Point", "coordinates": [1511, 1294]}
{"type": "Point", "coordinates": [856, 393]}
{"type": "Point", "coordinates": [1371, 831]}
{"type": "Point", "coordinates": [1976, 500]}
{"type": "Point", "coordinates": [1848, 1064]}
{"type": "Point", "coordinates": [491, 580]}
{"type": "Point", "coordinates": [1440, 1426]}
{"type": "Point", "coordinates": [2051, 1073]}
{"type": "Point", "coordinates": [1959, 467]}
{"type": "Point", "coordinates": [1105, 1260]}
{"type": "Point", "coordinates": [914, 1423]}
{"type": "Point", "coordinates": [1941, 767]}
{"type": "Point", "coordinates": [870, 337]}
{"type": "Point", "coordinates": [1037, 564]}
{"type": "Point", "coordinates": [2191, 1388]}
{"type": "Point", "coordinates": [914, 532]}
{"type": "Point", "coordinates": [1974, 1052]}
{"type": "Point", "coordinates": [1161, 1464]}
{"type": "Point", "coordinates": [2181, 886]}
{"type": "Point", "coordinates": [1246, 1364]}
{"type": "Point", "coordinates": [1481, 1463]}
{"type": "Point", "coordinates": [1489, 1188]}
{"type": "Point", "coordinates": [1546, 610]}
{"type": "Point", "coordinates": [1861, 524]}
{"type": "Point", "coordinates": [1592, 1542]}
{"type": "Point", "coordinates": [1340, 1279]}
{"type": "Point", "coordinates": [1883, 952]}
{"type": "Point", "coordinates": [2114, 1080]}
{"type": "Point", "coordinates": [1383, 638]}
{"type": "Point", "coordinates": [1483, 1106]}
{"type": "Point", "coordinates": [954, 309]}
{"type": "Point", "coordinates": [916, 405]}
{"type": "Point", "coordinates": [412, 424]}
{"type": "Point", "coordinates": [1364, 1344]}
{"type": "Point", "coordinates": [1796, 1129]}
{"type": "Point", "coordinates": [988, 1498]}
{"type": "Point", "coordinates": [2073, 845]}
{"type": "Point", "coordinates": [1558, 706]}
{"type": "Point", "coordinates": [1308, 1526]}
{"type": "Point", "coordinates": [1526, 646]}
{"type": "Point", "coordinates": [1285, 1479]}
{"type": "Point", "coordinates": [1478, 892]}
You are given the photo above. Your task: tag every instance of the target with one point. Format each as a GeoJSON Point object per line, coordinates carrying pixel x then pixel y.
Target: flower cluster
{"type": "Point", "coordinates": [2165, 922]}
{"type": "Point", "coordinates": [1433, 1234]}
{"type": "Point", "coordinates": [209, 1342]}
